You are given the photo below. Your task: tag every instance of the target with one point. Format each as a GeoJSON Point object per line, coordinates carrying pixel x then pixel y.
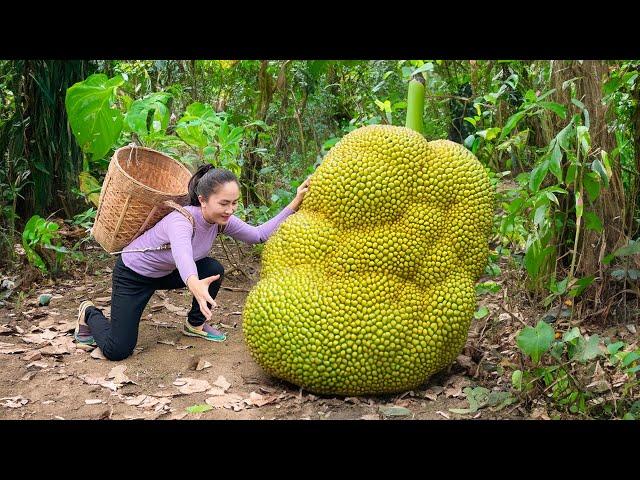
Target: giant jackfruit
{"type": "Point", "coordinates": [369, 287]}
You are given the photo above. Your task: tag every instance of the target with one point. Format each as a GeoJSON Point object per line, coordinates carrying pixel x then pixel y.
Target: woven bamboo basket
{"type": "Point", "coordinates": [138, 183]}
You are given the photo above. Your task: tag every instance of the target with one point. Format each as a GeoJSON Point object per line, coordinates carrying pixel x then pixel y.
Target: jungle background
{"type": "Point", "coordinates": [555, 332]}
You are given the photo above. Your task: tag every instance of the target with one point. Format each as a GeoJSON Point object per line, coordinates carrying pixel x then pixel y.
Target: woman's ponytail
{"type": "Point", "coordinates": [193, 183]}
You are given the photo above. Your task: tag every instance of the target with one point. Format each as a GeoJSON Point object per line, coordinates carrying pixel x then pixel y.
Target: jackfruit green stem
{"type": "Point", "coordinates": [415, 104]}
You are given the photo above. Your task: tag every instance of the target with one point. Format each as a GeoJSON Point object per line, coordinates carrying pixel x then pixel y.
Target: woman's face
{"type": "Point", "coordinates": [222, 204]}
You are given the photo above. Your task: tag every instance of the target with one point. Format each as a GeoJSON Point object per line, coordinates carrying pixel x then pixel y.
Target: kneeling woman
{"type": "Point", "coordinates": [137, 275]}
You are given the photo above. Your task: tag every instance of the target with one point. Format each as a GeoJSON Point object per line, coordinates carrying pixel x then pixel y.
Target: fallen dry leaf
{"type": "Point", "coordinates": [192, 385]}
{"type": "Point", "coordinates": [65, 327]}
{"type": "Point", "coordinates": [93, 401]}
{"type": "Point", "coordinates": [4, 330]}
{"type": "Point", "coordinates": [97, 354]}
{"type": "Point", "coordinates": [28, 376]}
{"type": "Point", "coordinates": [183, 347]}
{"type": "Point", "coordinates": [135, 401]}
{"type": "Point", "coordinates": [102, 300]}
{"type": "Point", "coordinates": [109, 385]}
{"type": "Point", "coordinates": [178, 416]}
{"type": "Point", "coordinates": [167, 394]}
{"type": "Point", "coordinates": [225, 401]}
{"type": "Point", "coordinates": [202, 364]}
{"type": "Point", "coordinates": [37, 365]}
{"type": "Point", "coordinates": [14, 402]}
{"type": "Point", "coordinates": [59, 346]}
{"type": "Point", "coordinates": [370, 417]}
{"type": "Point", "coordinates": [394, 411]}
{"type": "Point", "coordinates": [539, 413]}
{"type": "Point", "coordinates": [167, 342]}
{"type": "Point", "coordinates": [50, 334]}
{"type": "Point", "coordinates": [147, 402]}
{"type": "Point", "coordinates": [177, 310]}
{"type": "Point", "coordinates": [215, 391]}
{"type": "Point", "coordinates": [34, 338]}
{"type": "Point", "coordinates": [91, 380]}
{"type": "Point", "coordinates": [117, 373]}
{"type": "Point", "coordinates": [10, 348]}
{"type": "Point", "coordinates": [457, 384]}
{"type": "Point", "coordinates": [49, 322]}
{"type": "Point", "coordinates": [80, 347]}
{"type": "Point", "coordinates": [222, 383]}
{"type": "Point", "coordinates": [163, 324]}
{"type": "Point", "coordinates": [258, 400]}
{"type": "Point", "coordinates": [443, 414]}
{"type": "Point", "coordinates": [31, 356]}
{"type": "Point", "coordinates": [433, 392]}
{"type": "Point", "coordinates": [53, 350]}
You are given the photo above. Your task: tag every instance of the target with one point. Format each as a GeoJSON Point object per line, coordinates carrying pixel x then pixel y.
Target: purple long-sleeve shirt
{"type": "Point", "coordinates": [176, 229]}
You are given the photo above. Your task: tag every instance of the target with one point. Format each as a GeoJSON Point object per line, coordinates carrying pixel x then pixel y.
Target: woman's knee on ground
{"type": "Point", "coordinates": [118, 352]}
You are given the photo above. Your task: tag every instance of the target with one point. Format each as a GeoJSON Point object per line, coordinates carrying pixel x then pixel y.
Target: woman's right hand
{"type": "Point", "coordinates": [200, 290]}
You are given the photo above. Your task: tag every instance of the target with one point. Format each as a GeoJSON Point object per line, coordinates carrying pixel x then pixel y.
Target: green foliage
{"type": "Point", "coordinates": [535, 342]}
{"type": "Point", "coordinates": [201, 408]}
{"type": "Point", "coordinates": [149, 116]}
{"type": "Point", "coordinates": [93, 116]}
{"type": "Point", "coordinates": [480, 397]}
{"type": "Point", "coordinates": [85, 219]}
{"type": "Point", "coordinates": [487, 287]}
{"type": "Point", "coordinates": [41, 242]}
{"type": "Point", "coordinates": [565, 369]}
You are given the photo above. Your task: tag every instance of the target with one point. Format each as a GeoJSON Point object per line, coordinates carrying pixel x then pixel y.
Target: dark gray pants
{"type": "Point", "coordinates": [130, 294]}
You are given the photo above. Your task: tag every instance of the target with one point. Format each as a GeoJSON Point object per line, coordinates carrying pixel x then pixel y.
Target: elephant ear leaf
{"type": "Point", "coordinates": [95, 120]}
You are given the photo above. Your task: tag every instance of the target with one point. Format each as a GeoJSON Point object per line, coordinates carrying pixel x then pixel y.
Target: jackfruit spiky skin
{"type": "Point", "coordinates": [369, 287]}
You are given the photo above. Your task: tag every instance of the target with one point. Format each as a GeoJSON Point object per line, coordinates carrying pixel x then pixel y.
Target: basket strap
{"type": "Point", "coordinates": [183, 211]}
{"type": "Point", "coordinates": [166, 246]}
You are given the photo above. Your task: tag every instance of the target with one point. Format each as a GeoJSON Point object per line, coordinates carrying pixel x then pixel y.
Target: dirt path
{"type": "Point", "coordinates": [45, 376]}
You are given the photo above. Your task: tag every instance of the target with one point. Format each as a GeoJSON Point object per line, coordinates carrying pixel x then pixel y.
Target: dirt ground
{"type": "Point", "coordinates": [44, 375]}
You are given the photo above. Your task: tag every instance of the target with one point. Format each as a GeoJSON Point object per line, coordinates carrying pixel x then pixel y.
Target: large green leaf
{"type": "Point", "coordinates": [537, 176]}
{"type": "Point", "coordinates": [555, 165]}
{"type": "Point", "coordinates": [511, 123]}
{"type": "Point", "coordinates": [565, 136]}
{"type": "Point", "coordinates": [591, 182]}
{"type": "Point", "coordinates": [632, 249]}
{"type": "Point", "coordinates": [535, 341]}
{"type": "Point", "coordinates": [587, 350]}
{"type": "Point", "coordinates": [94, 120]}
{"type": "Point", "coordinates": [137, 117]}
{"type": "Point", "coordinates": [558, 109]}
{"type": "Point", "coordinates": [600, 169]}
{"type": "Point", "coordinates": [198, 125]}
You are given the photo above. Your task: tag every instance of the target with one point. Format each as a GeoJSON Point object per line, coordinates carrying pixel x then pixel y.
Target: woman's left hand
{"type": "Point", "coordinates": [302, 190]}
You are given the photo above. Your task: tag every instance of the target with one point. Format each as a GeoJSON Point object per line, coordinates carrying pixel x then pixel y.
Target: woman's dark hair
{"type": "Point", "coordinates": [208, 180]}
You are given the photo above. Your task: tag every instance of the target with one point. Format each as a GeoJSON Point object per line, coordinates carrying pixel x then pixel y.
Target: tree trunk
{"type": "Point", "coordinates": [47, 142]}
{"type": "Point", "coordinates": [610, 206]}
{"type": "Point", "coordinates": [267, 85]}
{"type": "Point", "coordinates": [635, 181]}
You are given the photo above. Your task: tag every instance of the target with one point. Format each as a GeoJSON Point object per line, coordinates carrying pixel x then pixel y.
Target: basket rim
{"type": "Point", "coordinates": [151, 189]}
